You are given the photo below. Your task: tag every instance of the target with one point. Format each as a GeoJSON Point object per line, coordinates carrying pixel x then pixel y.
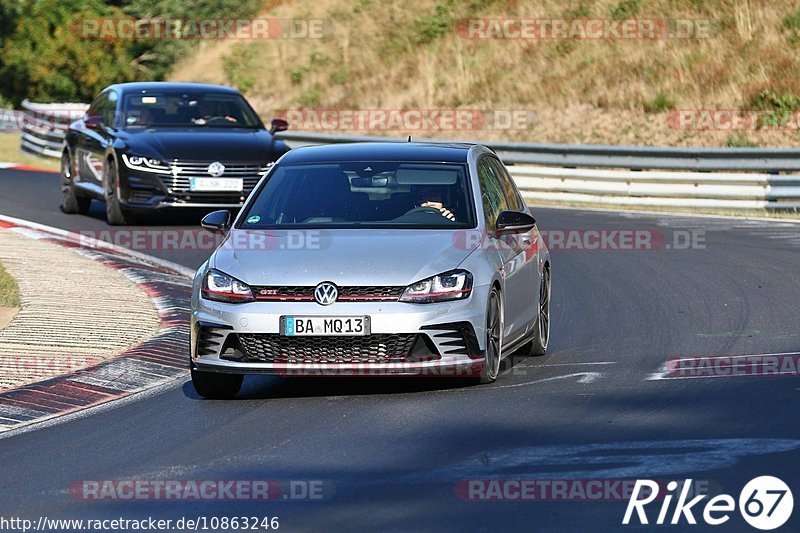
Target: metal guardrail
{"type": "Point", "coordinates": [723, 178]}
{"type": "Point", "coordinates": [44, 126]}
{"type": "Point", "coordinates": [623, 157]}
{"type": "Point", "coordinates": [634, 175]}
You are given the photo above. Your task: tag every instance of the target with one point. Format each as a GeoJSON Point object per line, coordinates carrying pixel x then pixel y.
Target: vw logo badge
{"type": "Point", "coordinates": [216, 169]}
{"type": "Point", "coordinates": [326, 293]}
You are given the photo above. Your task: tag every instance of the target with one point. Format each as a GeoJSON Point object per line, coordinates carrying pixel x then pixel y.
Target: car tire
{"type": "Point", "coordinates": [541, 331]}
{"type": "Point", "coordinates": [115, 214]}
{"type": "Point", "coordinates": [71, 201]}
{"type": "Point", "coordinates": [215, 386]}
{"type": "Point", "coordinates": [494, 337]}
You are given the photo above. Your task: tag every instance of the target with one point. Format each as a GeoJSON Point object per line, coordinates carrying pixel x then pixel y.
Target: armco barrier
{"type": "Point", "coordinates": [637, 176]}
{"type": "Point", "coordinates": [717, 178]}
{"type": "Point", "coordinates": [44, 126]}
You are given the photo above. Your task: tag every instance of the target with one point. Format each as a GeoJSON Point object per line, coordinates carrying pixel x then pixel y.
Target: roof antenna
{"type": "Point", "coordinates": [409, 138]}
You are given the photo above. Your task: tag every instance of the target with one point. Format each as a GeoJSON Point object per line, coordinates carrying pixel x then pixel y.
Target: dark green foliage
{"type": "Point", "coordinates": [45, 55]}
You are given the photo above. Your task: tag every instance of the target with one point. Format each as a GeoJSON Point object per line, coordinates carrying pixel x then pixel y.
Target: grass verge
{"type": "Point", "coordinates": [11, 153]}
{"type": "Point", "coordinates": [9, 290]}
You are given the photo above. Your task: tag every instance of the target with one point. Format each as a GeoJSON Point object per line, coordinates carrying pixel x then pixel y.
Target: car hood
{"type": "Point", "coordinates": [344, 257]}
{"type": "Point", "coordinates": [204, 144]}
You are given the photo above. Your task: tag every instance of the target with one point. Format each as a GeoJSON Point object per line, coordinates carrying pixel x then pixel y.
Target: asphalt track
{"type": "Point", "coordinates": [392, 452]}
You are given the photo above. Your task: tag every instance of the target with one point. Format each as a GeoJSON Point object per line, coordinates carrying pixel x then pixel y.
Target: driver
{"type": "Point", "coordinates": [431, 196]}
{"type": "Point", "coordinates": [207, 112]}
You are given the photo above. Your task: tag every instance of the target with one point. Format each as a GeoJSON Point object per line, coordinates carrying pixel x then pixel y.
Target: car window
{"type": "Point", "coordinates": [187, 110]}
{"type": "Point", "coordinates": [492, 195]}
{"type": "Point", "coordinates": [104, 106]}
{"type": "Point", "coordinates": [96, 108]}
{"type": "Point", "coordinates": [363, 194]}
{"type": "Point", "coordinates": [109, 110]}
{"type": "Point", "coordinates": [515, 202]}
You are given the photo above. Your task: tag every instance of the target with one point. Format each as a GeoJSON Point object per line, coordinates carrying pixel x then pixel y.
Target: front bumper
{"type": "Point", "coordinates": [447, 339]}
{"type": "Point", "coordinates": [146, 191]}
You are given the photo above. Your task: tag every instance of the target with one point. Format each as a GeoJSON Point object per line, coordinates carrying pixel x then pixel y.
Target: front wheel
{"type": "Point", "coordinates": [541, 333]}
{"type": "Point", "coordinates": [494, 337]}
{"type": "Point", "coordinates": [115, 214]}
{"type": "Point", "coordinates": [216, 386]}
{"type": "Point", "coordinates": [71, 202]}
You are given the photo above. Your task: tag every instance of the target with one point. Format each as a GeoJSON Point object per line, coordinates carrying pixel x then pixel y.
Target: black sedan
{"type": "Point", "coordinates": [147, 146]}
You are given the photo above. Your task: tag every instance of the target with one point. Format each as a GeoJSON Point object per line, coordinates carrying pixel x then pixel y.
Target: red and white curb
{"type": "Point", "coordinates": [29, 168]}
{"type": "Point", "coordinates": [156, 361]}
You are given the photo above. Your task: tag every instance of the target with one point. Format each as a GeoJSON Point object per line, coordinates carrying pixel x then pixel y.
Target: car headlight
{"type": "Point", "coordinates": [145, 164]}
{"type": "Point", "coordinates": [221, 287]}
{"type": "Point", "coordinates": [453, 285]}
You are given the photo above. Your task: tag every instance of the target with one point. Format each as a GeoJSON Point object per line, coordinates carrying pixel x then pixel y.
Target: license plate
{"type": "Point", "coordinates": [216, 184]}
{"type": "Point", "coordinates": [299, 326]}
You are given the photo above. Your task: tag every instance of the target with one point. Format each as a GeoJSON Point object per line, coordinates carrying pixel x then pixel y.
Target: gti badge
{"type": "Point", "coordinates": [326, 293]}
{"type": "Point", "coordinates": [216, 169]}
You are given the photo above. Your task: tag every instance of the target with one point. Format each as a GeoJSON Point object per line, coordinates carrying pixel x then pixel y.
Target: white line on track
{"type": "Point", "coordinates": [583, 377]}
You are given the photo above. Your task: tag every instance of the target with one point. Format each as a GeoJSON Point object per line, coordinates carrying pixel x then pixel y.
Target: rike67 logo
{"type": "Point", "coordinates": [765, 503]}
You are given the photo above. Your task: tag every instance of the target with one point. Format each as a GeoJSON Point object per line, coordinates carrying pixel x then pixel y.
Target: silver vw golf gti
{"type": "Point", "coordinates": [372, 259]}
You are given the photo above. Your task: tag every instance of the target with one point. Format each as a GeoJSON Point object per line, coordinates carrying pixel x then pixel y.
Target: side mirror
{"type": "Point", "coordinates": [217, 222]}
{"type": "Point", "coordinates": [278, 124]}
{"type": "Point", "coordinates": [509, 222]}
{"type": "Point", "coordinates": [92, 122]}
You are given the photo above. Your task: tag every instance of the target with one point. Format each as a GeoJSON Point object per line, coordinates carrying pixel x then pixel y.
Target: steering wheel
{"type": "Point", "coordinates": [425, 209]}
{"type": "Point", "coordinates": [220, 119]}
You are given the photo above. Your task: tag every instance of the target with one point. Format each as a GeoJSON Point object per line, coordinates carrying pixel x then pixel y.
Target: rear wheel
{"type": "Point", "coordinates": [541, 334]}
{"type": "Point", "coordinates": [494, 337]}
{"type": "Point", "coordinates": [115, 214]}
{"type": "Point", "coordinates": [216, 386]}
{"type": "Point", "coordinates": [71, 202]}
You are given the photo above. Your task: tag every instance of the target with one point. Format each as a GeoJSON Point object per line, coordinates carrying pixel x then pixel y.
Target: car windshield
{"type": "Point", "coordinates": [363, 194]}
{"type": "Point", "coordinates": [187, 110]}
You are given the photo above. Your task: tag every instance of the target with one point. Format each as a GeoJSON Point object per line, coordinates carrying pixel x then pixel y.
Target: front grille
{"type": "Point", "coordinates": [346, 294]}
{"type": "Point", "coordinates": [178, 184]}
{"type": "Point", "coordinates": [273, 348]}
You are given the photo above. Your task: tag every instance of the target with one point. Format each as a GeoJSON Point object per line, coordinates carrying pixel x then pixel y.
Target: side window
{"type": "Point", "coordinates": [515, 202]}
{"type": "Point", "coordinates": [95, 109]}
{"type": "Point", "coordinates": [492, 196]}
{"type": "Point", "coordinates": [110, 110]}
{"type": "Point", "coordinates": [104, 106]}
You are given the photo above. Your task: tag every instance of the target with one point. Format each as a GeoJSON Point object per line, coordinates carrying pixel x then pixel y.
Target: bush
{"type": "Point", "coordinates": [661, 102]}
{"type": "Point", "coordinates": [44, 57]}
{"type": "Point", "coordinates": [429, 28]}
{"type": "Point", "coordinates": [625, 10]}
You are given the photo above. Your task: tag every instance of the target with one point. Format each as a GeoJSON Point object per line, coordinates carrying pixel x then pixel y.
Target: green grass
{"type": "Point", "coordinates": [10, 153]}
{"type": "Point", "coordinates": [9, 291]}
{"type": "Point", "coordinates": [661, 102]}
